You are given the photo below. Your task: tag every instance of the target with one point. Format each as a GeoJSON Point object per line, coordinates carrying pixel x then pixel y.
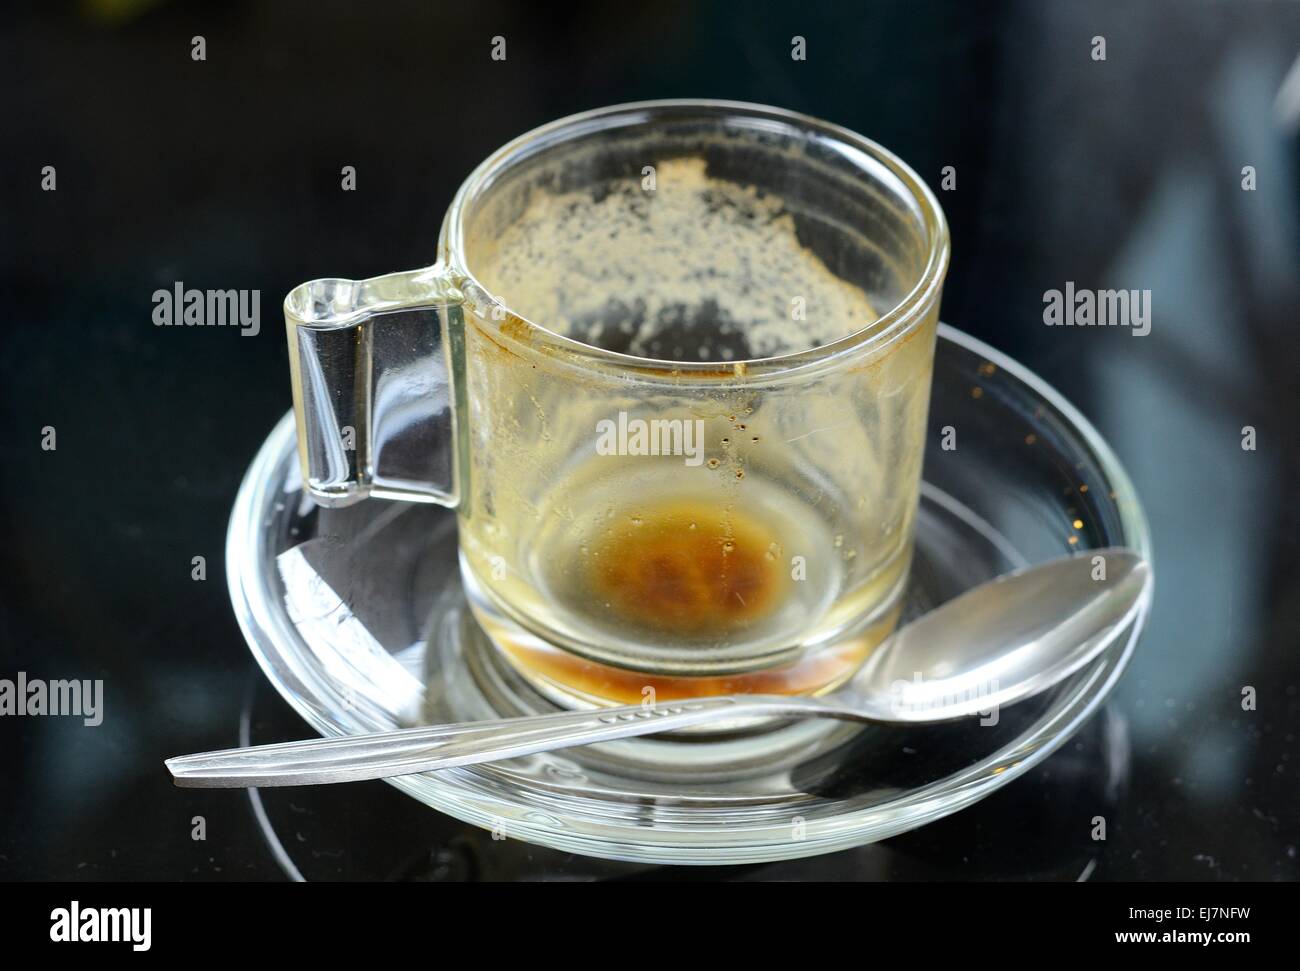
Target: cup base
{"type": "Point", "coordinates": [572, 681]}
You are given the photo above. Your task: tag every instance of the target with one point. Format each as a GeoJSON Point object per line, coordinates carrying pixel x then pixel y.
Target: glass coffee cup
{"type": "Point", "coordinates": [672, 371]}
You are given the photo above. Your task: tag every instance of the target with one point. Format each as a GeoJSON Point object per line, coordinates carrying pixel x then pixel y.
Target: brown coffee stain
{"type": "Point", "coordinates": [688, 568]}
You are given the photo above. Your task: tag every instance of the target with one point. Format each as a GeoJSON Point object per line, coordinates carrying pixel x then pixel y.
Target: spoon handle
{"type": "Point", "coordinates": [411, 750]}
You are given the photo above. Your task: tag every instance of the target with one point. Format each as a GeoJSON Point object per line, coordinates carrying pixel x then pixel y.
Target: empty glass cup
{"type": "Point", "coordinates": [672, 369]}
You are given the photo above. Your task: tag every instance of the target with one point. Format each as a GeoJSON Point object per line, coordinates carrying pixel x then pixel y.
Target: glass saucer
{"type": "Point", "coordinates": [358, 619]}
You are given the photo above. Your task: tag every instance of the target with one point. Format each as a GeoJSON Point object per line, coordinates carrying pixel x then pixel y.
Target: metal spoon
{"type": "Point", "coordinates": [992, 646]}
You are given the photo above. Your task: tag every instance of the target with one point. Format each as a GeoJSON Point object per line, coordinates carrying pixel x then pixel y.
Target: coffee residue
{"type": "Point", "coordinates": [686, 568]}
{"type": "Point", "coordinates": [698, 268]}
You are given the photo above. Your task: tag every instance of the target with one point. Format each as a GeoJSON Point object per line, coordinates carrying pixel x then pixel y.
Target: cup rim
{"type": "Point", "coordinates": [907, 312]}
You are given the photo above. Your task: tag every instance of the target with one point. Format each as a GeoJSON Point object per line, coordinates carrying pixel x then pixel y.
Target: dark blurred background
{"type": "Point", "coordinates": [225, 174]}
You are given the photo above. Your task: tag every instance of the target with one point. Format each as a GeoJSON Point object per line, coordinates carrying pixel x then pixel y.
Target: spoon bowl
{"type": "Point", "coordinates": [1000, 642]}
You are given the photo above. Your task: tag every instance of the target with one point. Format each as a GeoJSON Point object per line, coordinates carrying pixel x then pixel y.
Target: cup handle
{"type": "Point", "coordinates": [374, 365]}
